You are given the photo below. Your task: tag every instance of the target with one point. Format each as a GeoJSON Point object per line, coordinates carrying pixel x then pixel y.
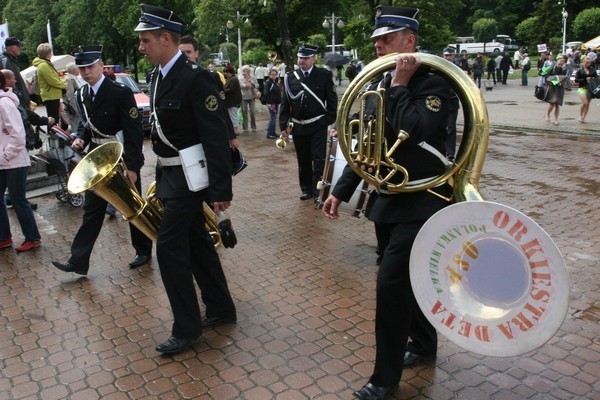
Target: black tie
{"type": "Point", "coordinates": [91, 94]}
{"type": "Point", "coordinates": [306, 74]}
{"type": "Point", "coordinates": [158, 79]}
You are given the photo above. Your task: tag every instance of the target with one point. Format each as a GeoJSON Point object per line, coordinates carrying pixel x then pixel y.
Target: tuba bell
{"type": "Point", "coordinates": [486, 276]}
{"type": "Point", "coordinates": [211, 220]}
{"type": "Point", "coordinates": [103, 172]}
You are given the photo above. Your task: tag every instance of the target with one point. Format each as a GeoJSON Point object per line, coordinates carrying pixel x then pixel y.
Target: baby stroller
{"type": "Point", "coordinates": [60, 159]}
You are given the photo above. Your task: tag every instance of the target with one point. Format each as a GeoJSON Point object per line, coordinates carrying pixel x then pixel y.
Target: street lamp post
{"type": "Point", "coordinates": [326, 23]}
{"type": "Point", "coordinates": [565, 14]}
{"type": "Point", "coordinates": [230, 25]}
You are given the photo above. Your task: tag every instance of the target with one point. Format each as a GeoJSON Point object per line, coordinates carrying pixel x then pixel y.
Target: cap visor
{"type": "Point", "coordinates": [143, 26]}
{"type": "Point", "coordinates": [385, 30]}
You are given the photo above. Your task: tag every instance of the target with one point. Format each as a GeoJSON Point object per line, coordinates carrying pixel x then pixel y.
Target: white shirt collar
{"type": "Point", "coordinates": [165, 70]}
{"type": "Point", "coordinates": [97, 85]}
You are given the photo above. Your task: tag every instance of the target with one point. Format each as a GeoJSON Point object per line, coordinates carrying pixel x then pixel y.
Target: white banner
{"type": "Point", "coordinates": [542, 48]}
{"type": "Point", "coordinates": [3, 34]}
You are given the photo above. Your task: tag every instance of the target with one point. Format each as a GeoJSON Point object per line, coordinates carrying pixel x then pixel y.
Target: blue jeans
{"type": "Point", "coordinates": [523, 77]}
{"type": "Point", "coordinates": [273, 108]}
{"type": "Point", "coordinates": [15, 179]}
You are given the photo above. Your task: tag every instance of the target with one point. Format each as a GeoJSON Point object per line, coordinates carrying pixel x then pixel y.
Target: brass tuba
{"type": "Point", "coordinates": [210, 218]}
{"type": "Point", "coordinates": [372, 159]}
{"type": "Point", "coordinates": [486, 276]}
{"type": "Point", "coordinates": [103, 172]}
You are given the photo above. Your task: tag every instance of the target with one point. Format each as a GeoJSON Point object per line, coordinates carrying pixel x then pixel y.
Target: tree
{"type": "Point", "coordinates": [485, 29]}
{"type": "Point", "coordinates": [587, 24]}
{"type": "Point", "coordinates": [525, 32]}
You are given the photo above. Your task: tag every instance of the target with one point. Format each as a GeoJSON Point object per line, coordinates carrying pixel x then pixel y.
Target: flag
{"type": "Point", "coordinates": [3, 34]}
{"type": "Point", "coordinates": [49, 33]}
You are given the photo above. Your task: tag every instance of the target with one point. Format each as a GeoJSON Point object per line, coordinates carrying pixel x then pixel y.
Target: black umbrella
{"type": "Point", "coordinates": [335, 60]}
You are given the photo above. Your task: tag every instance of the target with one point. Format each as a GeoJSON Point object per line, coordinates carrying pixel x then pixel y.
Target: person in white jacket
{"type": "Point", "coordinates": [14, 165]}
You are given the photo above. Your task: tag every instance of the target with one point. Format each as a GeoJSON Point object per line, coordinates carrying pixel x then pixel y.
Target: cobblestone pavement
{"type": "Point", "coordinates": [305, 294]}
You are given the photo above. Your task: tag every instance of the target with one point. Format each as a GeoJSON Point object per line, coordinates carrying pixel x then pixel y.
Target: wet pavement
{"type": "Point", "coordinates": [304, 289]}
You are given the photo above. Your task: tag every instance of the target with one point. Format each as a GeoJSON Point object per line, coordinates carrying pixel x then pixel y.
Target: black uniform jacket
{"type": "Point", "coordinates": [320, 82]}
{"type": "Point", "coordinates": [112, 110]}
{"type": "Point", "coordinates": [190, 110]}
{"type": "Point", "coordinates": [421, 109]}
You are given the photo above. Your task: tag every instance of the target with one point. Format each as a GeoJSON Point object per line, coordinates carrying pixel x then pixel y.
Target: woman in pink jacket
{"type": "Point", "coordinates": [14, 164]}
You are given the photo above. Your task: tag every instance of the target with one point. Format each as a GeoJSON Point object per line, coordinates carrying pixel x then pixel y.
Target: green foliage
{"type": "Point", "coordinates": [525, 32]}
{"type": "Point", "coordinates": [587, 24]}
{"type": "Point", "coordinates": [318, 39]}
{"type": "Point", "coordinates": [485, 29]}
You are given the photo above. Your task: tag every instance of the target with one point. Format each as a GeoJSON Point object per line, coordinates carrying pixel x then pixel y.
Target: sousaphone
{"type": "Point", "coordinates": [486, 276]}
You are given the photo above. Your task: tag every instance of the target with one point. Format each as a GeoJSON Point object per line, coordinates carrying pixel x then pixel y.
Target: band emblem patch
{"type": "Point", "coordinates": [133, 112]}
{"type": "Point", "coordinates": [433, 103]}
{"type": "Point", "coordinates": [211, 103]}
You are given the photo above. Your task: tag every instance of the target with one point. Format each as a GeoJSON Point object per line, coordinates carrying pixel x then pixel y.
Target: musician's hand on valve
{"type": "Point", "coordinates": [406, 66]}
{"type": "Point", "coordinates": [330, 207]}
{"type": "Point", "coordinates": [219, 206]}
{"type": "Point", "coordinates": [132, 176]}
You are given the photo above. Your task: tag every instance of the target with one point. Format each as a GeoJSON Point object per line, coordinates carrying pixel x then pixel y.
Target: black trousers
{"type": "Point", "coordinates": [185, 252]}
{"type": "Point", "coordinates": [53, 109]}
{"type": "Point", "coordinates": [397, 315]}
{"type": "Point", "coordinates": [311, 147]}
{"type": "Point", "coordinates": [94, 210]}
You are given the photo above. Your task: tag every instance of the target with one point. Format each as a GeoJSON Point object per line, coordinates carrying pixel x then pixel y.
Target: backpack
{"type": "Point", "coordinates": [594, 87]}
{"type": "Point", "coordinates": [32, 135]}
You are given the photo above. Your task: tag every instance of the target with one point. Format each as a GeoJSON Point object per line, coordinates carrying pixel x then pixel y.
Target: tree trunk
{"type": "Point", "coordinates": [284, 31]}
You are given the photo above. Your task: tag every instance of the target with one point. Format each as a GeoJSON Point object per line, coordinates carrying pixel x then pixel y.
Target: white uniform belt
{"type": "Point", "coordinates": [169, 161]}
{"type": "Point", "coordinates": [307, 121]}
{"type": "Point", "coordinates": [415, 182]}
{"type": "Point", "coordinates": [98, 140]}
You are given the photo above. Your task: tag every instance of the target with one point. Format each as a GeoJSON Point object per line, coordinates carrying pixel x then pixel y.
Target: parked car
{"type": "Point", "coordinates": [141, 99]}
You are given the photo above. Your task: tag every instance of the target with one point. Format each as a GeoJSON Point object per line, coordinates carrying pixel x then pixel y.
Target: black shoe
{"type": "Point", "coordinates": [33, 206]}
{"type": "Point", "coordinates": [272, 136]}
{"type": "Point", "coordinates": [219, 320]}
{"type": "Point", "coordinates": [111, 213]}
{"type": "Point", "coordinates": [411, 358]}
{"type": "Point", "coordinates": [68, 267]}
{"type": "Point", "coordinates": [372, 392]}
{"type": "Point", "coordinates": [305, 196]}
{"type": "Point", "coordinates": [139, 260]}
{"type": "Point", "coordinates": [173, 345]}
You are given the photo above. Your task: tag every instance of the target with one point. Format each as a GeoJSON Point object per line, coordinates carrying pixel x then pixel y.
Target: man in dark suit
{"type": "Point", "coordinates": [417, 103]}
{"type": "Point", "coordinates": [309, 101]}
{"type": "Point", "coordinates": [108, 113]}
{"type": "Point", "coordinates": [188, 111]}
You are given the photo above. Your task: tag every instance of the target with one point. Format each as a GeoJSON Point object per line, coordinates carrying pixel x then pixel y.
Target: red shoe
{"type": "Point", "coordinates": [6, 243]}
{"type": "Point", "coordinates": [28, 245]}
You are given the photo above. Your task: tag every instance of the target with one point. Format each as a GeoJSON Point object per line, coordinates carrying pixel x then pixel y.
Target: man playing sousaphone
{"type": "Point", "coordinates": [108, 113]}
{"type": "Point", "coordinates": [417, 103]}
